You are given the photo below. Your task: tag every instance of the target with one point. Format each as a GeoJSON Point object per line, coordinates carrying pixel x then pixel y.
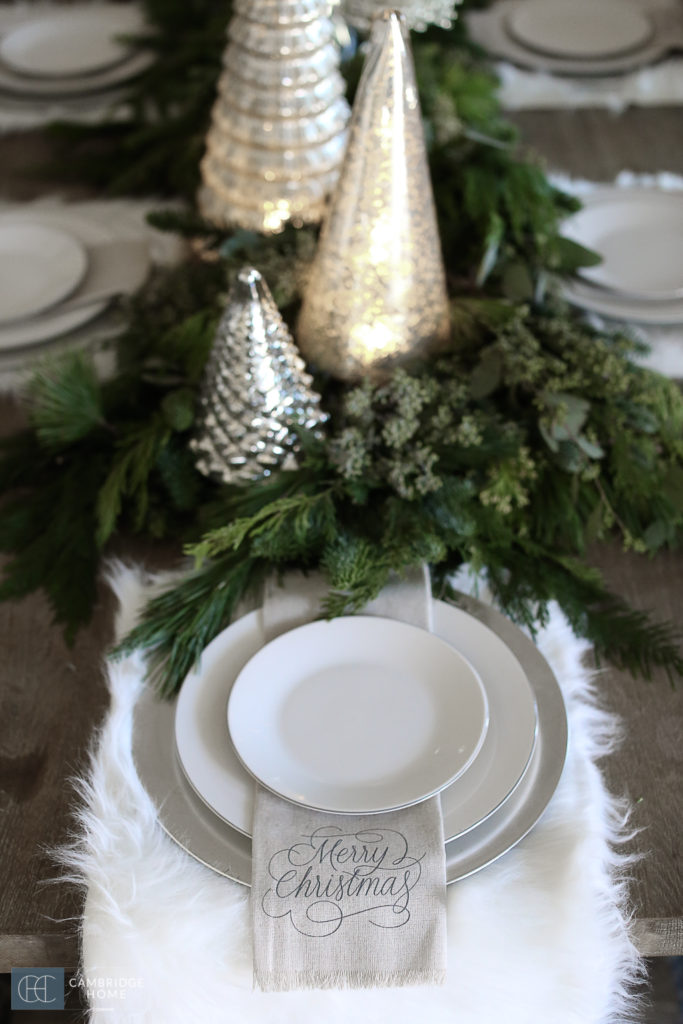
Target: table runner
{"type": "Point", "coordinates": [540, 935]}
{"type": "Point", "coordinates": [658, 85]}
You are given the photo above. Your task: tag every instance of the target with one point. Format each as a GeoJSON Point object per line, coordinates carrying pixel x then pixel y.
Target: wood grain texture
{"type": "Point", "coordinates": [597, 144]}
{"type": "Point", "coordinates": [648, 767]}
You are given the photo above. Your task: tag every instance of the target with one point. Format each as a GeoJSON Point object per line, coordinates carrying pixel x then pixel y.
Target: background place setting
{"type": "Point", "coordinates": [70, 60]}
{"type": "Point", "coordinates": [579, 37]}
{"type": "Point", "coordinates": [638, 232]}
{"type": "Point", "coordinates": [59, 270]}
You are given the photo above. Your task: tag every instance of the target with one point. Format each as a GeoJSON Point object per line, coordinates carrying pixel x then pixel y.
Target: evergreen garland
{"type": "Point", "coordinates": [534, 436]}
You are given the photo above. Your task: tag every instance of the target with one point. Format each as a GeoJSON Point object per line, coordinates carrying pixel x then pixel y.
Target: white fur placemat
{"type": "Point", "coordinates": [539, 936]}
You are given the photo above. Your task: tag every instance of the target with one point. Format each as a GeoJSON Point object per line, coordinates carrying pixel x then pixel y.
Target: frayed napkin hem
{"type": "Point", "coordinates": [345, 980]}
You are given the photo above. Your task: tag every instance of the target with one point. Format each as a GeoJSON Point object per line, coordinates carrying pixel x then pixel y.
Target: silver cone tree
{"type": "Point", "coordinates": [256, 394]}
{"type": "Point", "coordinates": [418, 13]}
{"type": "Point", "coordinates": [278, 126]}
{"type": "Point", "coordinates": [376, 293]}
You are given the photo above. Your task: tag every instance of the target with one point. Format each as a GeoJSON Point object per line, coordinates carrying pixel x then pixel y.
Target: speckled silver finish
{"type": "Point", "coordinates": [376, 294]}
{"type": "Point", "coordinates": [255, 393]}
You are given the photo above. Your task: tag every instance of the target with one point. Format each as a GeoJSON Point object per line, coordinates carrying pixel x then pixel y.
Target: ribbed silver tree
{"type": "Point", "coordinates": [278, 126]}
{"type": "Point", "coordinates": [256, 394]}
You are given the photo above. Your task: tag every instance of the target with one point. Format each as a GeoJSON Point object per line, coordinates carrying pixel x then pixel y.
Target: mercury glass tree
{"type": "Point", "coordinates": [256, 393]}
{"type": "Point", "coordinates": [278, 125]}
{"type": "Point", "coordinates": [376, 293]}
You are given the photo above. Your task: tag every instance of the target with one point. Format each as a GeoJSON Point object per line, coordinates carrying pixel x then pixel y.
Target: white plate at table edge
{"type": "Point", "coordinates": [440, 711]}
{"type": "Point", "coordinates": [208, 839]}
{"type": "Point", "coordinates": [213, 769]}
{"type": "Point", "coordinates": [59, 89]}
{"type": "Point", "coordinates": [586, 227]}
{"type": "Point", "coordinates": [593, 299]}
{"type": "Point", "coordinates": [103, 22]}
{"type": "Point", "coordinates": [58, 263]}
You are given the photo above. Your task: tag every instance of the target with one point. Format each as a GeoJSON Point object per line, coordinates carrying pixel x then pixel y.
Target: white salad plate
{"type": "Point", "coordinates": [69, 43]}
{"type": "Point", "coordinates": [357, 715]}
{"type": "Point", "coordinates": [213, 768]}
{"type": "Point", "coordinates": [639, 235]}
{"type": "Point", "coordinates": [39, 266]}
{"type": "Point", "coordinates": [583, 29]}
{"type": "Point", "coordinates": [224, 849]}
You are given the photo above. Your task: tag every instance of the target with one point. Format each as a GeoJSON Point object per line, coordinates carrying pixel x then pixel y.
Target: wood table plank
{"type": "Point", "coordinates": [597, 144]}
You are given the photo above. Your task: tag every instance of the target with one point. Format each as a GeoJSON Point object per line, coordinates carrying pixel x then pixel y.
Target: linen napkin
{"type": "Point", "coordinates": [343, 900]}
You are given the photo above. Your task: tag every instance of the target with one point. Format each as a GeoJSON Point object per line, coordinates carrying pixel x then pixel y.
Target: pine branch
{"type": "Point", "coordinates": [66, 400]}
{"type": "Point", "coordinates": [49, 533]}
{"type": "Point", "coordinates": [179, 624]}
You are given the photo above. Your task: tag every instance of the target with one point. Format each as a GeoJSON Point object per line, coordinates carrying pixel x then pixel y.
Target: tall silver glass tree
{"type": "Point", "coordinates": [278, 126]}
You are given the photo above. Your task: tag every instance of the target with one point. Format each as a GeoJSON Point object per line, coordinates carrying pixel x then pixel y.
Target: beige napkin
{"type": "Point", "coordinates": [347, 901]}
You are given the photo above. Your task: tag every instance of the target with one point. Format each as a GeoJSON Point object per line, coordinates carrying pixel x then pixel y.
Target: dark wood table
{"type": "Point", "coordinates": [52, 697]}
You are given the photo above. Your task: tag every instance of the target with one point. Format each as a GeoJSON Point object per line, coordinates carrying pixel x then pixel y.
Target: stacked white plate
{"type": "Point", "coordinates": [70, 53]}
{"type": "Point", "coordinates": [578, 37]}
{"type": "Point", "coordinates": [358, 715]}
{"type": "Point", "coordinates": [58, 271]}
{"type": "Point", "coordinates": [638, 232]}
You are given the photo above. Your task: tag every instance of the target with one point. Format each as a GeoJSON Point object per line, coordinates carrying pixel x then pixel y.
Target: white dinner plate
{"type": "Point", "coordinates": [639, 234]}
{"type": "Point", "coordinates": [581, 29]}
{"type": "Point", "coordinates": [39, 266]}
{"type": "Point", "coordinates": [53, 323]}
{"type": "Point", "coordinates": [213, 769]}
{"type": "Point", "coordinates": [71, 42]}
{"type": "Point", "coordinates": [625, 311]}
{"type": "Point", "coordinates": [213, 842]}
{"type": "Point", "coordinates": [358, 715]}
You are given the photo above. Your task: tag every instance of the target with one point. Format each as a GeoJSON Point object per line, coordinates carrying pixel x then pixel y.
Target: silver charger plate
{"type": "Point", "coordinates": [210, 840]}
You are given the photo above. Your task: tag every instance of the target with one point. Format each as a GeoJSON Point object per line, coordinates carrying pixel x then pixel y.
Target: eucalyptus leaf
{"type": "Point", "coordinates": [487, 374]}
{"type": "Point", "coordinates": [492, 240]}
{"type": "Point", "coordinates": [589, 448]}
{"type": "Point", "coordinates": [178, 409]}
{"type": "Point", "coordinates": [518, 285]}
{"type": "Point", "coordinates": [567, 256]}
{"type": "Point", "coordinates": [658, 534]}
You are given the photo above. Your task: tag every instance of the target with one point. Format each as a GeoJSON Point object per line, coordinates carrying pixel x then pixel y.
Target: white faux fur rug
{"type": "Point", "coordinates": [540, 937]}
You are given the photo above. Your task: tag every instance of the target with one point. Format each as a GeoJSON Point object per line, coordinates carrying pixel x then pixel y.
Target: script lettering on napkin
{"type": "Point", "coordinates": [334, 875]}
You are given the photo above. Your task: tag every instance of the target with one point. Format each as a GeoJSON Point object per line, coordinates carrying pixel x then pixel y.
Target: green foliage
{"type": "Point", "coordinates": [65, 401]}
{"type": "Point", "coordinates": [47, 526]}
